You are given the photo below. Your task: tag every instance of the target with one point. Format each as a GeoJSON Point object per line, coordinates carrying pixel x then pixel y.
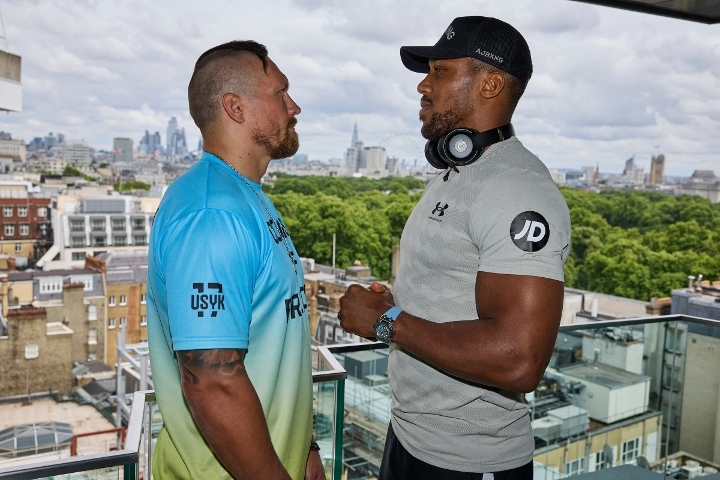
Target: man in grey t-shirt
{"type": "Point", "coordinates": [475, 310]}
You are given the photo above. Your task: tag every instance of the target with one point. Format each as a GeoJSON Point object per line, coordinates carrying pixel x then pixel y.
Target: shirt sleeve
{"type": "Point", "coordinates": [524, 226]}
{"type": "Point", "coordinates": [211, 263]}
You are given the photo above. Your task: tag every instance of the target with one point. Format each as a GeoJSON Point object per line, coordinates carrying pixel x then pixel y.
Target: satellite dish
{"type": "Point", "coordinates": [607, 456]}
{"type": "Point", "coordinates": [642, 463]}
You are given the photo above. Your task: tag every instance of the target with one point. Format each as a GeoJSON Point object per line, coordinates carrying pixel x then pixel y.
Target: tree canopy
{"type": "Point", "coordinates": [634, 244]}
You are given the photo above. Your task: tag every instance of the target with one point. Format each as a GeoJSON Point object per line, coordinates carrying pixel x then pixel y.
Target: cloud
{"type": "Point", "coordinates": [607, 83]}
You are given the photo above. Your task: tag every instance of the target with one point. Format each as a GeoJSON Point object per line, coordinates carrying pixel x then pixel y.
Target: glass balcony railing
{"type": "Point", "coordinates": [633, 398]}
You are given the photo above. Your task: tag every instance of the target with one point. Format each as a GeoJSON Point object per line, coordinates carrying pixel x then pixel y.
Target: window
{"type": "Point", "coordinates": [123, 300]}
{"type": "Point", "coordinates": [575, 467]}
{"type": "Point", "coordinates": [143, 320]}
{"type": "Point", "coordinates": [97, 224]}
{"type": "Point", "coordinates": [7, 211]}
{"type": "Point", "coordinates": [597, 459]}
{"type": "Point", "coordinates": [123, 321]}
{"type": "Point", "coordinates": [98, 241]}
{"type": "Point", "coordinates": [111, 323]}
{"type": "Point", "coordinates": [111, 301]}
{"type": "Point", "coordinates": [77, 225]}
{"type": "Point", "coordinates": [138, 224]}
{"type": "Point", "coordinates": [24, 229]}
{"type": "Point", "coordinates": [139, 239]}
{"type": "Point", "coordinates": [92, 356]}
{"type": "Point", "coordinates": [78, 256]}
{"type": "Point", "coordinates": [630, 450]}
{"type": "Point", "coordinates": [9, 229]}
{"type": "Point", "coordinates": [119, 240]}
{"type": "Point", "coordinates": [143, 298]}
{"type": "Point", "coordinates": [118, 224]}
{"type": "Point", "coordinates": [92, 336]}
{"type": "Point", "coordinates": [51, 285]}
{"type": "Point", "coordinates": [77, 242]}
{"type": "Point", "coordinates": [22, 211]}
{"type": "Point", "coordinates": [18, 247]}
{"type": "Point", "coordinates": [92, 312]}
{"type": "Point", "coordinates": [42, 212]}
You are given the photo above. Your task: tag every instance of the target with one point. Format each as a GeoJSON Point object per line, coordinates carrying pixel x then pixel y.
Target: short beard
{"type": "Point", "coordinates": [285, 148]}
{"type": "Point", "coordinates": [440, 124]}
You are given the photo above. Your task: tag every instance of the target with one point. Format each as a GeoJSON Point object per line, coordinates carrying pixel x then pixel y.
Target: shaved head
{"type": "Point", "coordinates": [232, 67]}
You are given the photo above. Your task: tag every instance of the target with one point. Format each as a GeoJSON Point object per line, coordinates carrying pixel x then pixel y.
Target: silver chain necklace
{"type": "Point", "coordinates": [291, 254]}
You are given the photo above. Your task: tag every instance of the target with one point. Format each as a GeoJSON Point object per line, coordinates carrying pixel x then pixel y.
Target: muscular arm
{"type": "Point", "coordinates": [227, 410]}
{"type": "Point", "coordinates": [507, 346]}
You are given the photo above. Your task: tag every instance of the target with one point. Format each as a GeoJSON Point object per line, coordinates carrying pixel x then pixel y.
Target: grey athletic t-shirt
{"type": "Point", "coordinates": [501, 214]}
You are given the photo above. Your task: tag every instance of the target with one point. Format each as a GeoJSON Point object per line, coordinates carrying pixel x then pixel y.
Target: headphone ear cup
{"type": "Point", "coordinates": [433, 156]}
{"type": "Point", "coordinates": [458, 148]}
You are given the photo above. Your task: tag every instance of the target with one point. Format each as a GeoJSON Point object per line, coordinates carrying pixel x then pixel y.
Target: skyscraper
{"type": "Point", "coordinates": [123, 149]}
{"type": "Point", "coordinates": [150, 144]}
{"type": "Point", "coordinates": [657, 169]}
{"type": "Point", "coordinates": [354, 154]}
{"type": "Point", "coordinates": [171, 129]}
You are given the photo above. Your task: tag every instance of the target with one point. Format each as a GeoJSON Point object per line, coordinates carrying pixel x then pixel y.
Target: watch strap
{"type": "Point", "coordinates": [393, 313]}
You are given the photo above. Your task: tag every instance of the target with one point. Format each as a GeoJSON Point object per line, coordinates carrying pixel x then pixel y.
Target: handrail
{"type": "Point", "coordinates": [336, 372]}
{"type": "Point", "coordinates": [130, 453]}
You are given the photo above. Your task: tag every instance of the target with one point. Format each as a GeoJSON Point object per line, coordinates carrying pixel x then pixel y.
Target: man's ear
{"type": "Point", "coordinates": [234, 106]}
{"type": "Point", "coordinates": [492, 85]}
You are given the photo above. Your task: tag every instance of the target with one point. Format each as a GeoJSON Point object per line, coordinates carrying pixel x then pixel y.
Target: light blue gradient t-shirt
{"type": "Point", "coordinates": [220, 277]}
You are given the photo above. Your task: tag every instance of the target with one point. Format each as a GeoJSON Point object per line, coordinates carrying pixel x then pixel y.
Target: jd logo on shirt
{"type": "Point", "coordinates": [202, 301]}
{"type": "Point", "coordinates": [530, 231]}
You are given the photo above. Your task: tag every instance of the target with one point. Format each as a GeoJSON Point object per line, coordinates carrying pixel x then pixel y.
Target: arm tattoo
{"type": "Point", "coordinates": [195, 364]}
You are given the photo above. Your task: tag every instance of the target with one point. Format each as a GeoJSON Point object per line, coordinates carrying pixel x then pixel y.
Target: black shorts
{"type": "Point", "coordinates": [398, 464]}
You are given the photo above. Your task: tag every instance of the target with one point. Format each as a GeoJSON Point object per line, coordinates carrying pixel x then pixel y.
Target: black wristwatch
{"type": "Point", "coordinates": [385, 325]}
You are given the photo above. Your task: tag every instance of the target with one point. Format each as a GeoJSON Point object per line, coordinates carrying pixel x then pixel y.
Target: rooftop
{"type": "Point", "coordinates": [606, 375]}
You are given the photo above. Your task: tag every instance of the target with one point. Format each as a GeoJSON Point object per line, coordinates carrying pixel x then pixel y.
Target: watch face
{"type": "Point", "coordinates": [383, 331]}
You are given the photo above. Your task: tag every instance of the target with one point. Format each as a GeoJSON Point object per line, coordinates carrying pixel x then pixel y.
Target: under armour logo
{"type": "Point", "coordinates": [449, 33]}
{"type": "Point", "coordinates": [439, 209]}
{"type": "Point", "coordinates": [202, 301]}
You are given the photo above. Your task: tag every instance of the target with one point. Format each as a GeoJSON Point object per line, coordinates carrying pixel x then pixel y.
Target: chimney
{"type": "Point", "coordinates": [4, 296]}
{"type": "Point", "coordinates": [594, 308]}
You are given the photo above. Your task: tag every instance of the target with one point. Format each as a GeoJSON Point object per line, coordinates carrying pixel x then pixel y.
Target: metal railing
{"type": "Point", "coordinates": [330, 372]}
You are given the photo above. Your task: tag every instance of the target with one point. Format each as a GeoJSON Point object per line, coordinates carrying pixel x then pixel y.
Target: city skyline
{"type": "Point", "coordinates": [607, 83]}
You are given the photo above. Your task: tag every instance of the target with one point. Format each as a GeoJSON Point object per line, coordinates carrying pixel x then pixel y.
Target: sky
{"type": "Point", "coordinates": [607, 83]}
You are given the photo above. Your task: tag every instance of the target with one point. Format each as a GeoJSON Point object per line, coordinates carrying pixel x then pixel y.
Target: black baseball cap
{"type": "Point", "coordinates": [487, 39]}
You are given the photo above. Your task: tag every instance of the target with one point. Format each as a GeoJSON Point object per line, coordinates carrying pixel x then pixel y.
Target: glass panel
{"type": "Point", "coordinates": [632, 394]}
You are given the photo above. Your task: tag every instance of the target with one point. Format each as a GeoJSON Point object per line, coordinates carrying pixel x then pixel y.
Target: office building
{"type": "Point", "coordinates": [75, 152]}
{"type": "Point", "coordinates": [697, 410]}
{"type": "Point", "coordinates": [374, 160]}
{"type": "Point", "coordinates": [89, 225]}
{"type": "Point", "coordinates": [151, 144]}
{"type": "Point", "coordinates": [123, 149]}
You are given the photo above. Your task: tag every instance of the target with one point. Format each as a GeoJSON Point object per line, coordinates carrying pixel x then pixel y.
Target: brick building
{"type": "Point", "coordinates": [35, 354]}
{"type": "Point", "coordinates": [74, 298]}
{"type": "Point", "coordinates": [125, 276]}
{"type": "Point", "coordinates": [26, 229]}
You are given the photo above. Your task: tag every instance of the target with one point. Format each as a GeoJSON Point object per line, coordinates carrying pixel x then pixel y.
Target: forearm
{"type": "Point", "coordinates": [228, 412]}
{"type": "Point", "coordinates": [475, 350]}
{"type": "Point", "coordinates": [232, 420]}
